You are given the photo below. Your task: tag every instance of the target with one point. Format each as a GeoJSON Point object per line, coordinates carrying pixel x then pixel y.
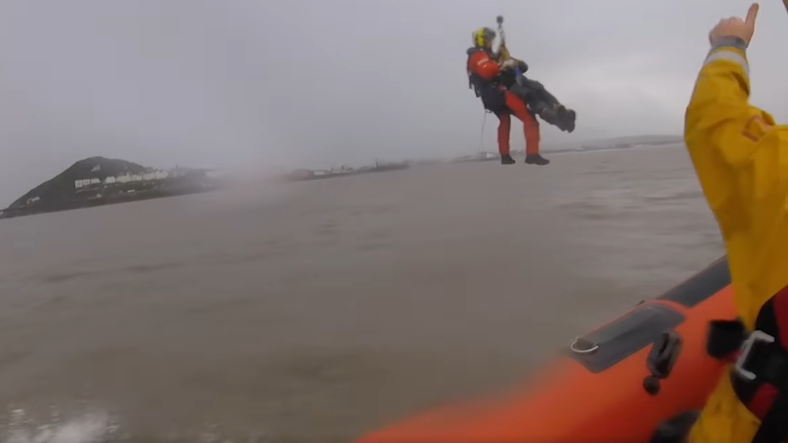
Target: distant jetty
{"type": "Point", "coordinates": [99, 181]}
{"type": "Point", "coordinates": [478, 157]}
{"type": "Point", "coordinates": [618, 143]}
{"type": "Point", "coordinates": [589, 146]}
{"type": "Point", "coordinates": [344, 171]}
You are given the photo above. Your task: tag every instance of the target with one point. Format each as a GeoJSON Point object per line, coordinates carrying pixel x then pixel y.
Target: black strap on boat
{"type": "Point", "coordinates": [676, 429]}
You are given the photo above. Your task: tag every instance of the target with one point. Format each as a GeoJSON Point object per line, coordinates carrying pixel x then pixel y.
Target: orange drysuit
{"type": "Point", "coordinates": [484, 76]}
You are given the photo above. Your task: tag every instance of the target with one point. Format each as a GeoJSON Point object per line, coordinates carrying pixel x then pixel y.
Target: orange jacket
{"type": "Point", "coordinates": [481, 64]}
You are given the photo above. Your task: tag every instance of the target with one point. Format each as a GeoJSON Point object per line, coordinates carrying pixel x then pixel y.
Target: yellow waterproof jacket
{"type": "Point", "coordinates": [741, 158]}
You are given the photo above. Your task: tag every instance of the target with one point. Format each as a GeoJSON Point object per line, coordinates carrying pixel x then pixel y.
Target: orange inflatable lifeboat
{"type": "Point", "coordinates": [640, 378]}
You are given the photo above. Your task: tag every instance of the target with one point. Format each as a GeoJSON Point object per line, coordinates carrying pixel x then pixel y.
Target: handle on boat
{"type": "Point", "coordinates": [586, 350]}
{"type": "Point", "coordinates": [665, 351]}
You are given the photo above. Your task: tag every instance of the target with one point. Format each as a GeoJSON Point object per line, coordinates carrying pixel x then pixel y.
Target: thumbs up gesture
{"type": "Point", "coordinates": [736, 27]}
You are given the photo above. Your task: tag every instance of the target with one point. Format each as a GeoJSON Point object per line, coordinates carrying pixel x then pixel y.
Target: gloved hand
{"type": "Point", "coordinates": [509, 64]}
{"type": "Point", "coordinates": [522, 66]}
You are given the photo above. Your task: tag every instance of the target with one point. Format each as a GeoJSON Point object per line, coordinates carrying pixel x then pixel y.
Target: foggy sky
{"type": "Point", "coordinates": [263, 83]}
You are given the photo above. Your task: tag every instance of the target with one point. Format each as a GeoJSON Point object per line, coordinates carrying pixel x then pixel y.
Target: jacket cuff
{"type": "Point", "coordinates": [729, 42]}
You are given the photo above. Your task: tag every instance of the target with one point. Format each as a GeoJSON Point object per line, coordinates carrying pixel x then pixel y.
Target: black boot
{"type": "Point", "coordinates": [551, 116]}
{"type": "Point", "coordinates": [567, 118]}
{"type": "Point", "coordinates": [507, 159]}
{"type": "Point", "coordinates": [536, 159]}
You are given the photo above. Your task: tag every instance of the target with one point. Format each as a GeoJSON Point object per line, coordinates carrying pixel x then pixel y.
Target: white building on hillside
{"type": "Point", "coordinates": [125, 178]}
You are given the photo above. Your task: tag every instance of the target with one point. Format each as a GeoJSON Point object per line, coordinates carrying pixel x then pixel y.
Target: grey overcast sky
{"type": "Point", "coordinates": [256, 84]}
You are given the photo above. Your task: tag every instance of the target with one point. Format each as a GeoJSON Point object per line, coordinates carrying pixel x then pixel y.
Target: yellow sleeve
{"type": "Point", "coordinates": [741, 159]}
{"type": "Point", "coordinates": [724, 135]}
{"type": "Point", "coordinates": [719, 113]}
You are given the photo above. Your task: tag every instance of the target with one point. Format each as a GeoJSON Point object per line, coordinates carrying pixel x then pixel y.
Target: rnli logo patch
{"type": "Point", "coordinates": [756, 128]}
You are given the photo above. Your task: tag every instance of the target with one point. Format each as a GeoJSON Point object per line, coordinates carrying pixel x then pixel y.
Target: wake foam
{"type": "Point", "coordinates": [18, 426]}
{"type": "Point", "coordinates": [91, 428]}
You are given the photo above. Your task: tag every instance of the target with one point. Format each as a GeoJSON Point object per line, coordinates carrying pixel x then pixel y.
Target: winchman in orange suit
{"type": "Point", "coordinates": [741, 159]}
{"type": "Point", "coordinates": [485, 75]}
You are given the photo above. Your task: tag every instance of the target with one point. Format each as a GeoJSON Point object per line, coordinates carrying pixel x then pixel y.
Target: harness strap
{"type": "Point", "coordinates": [760, 368]}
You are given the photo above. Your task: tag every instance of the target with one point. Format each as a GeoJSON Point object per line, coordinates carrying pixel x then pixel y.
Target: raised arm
{"type": "Point", "coordinates": [720, 122]}
{"type": "Point", "coordinates": [736, 148]}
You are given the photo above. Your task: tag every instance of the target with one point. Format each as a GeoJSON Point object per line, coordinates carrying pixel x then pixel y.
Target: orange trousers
{"type": "Point", "coordinates": [530, 126]}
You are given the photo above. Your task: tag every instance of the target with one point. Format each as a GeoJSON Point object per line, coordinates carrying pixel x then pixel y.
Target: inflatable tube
{"type": "Point", "coordinates": [619, 383]}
